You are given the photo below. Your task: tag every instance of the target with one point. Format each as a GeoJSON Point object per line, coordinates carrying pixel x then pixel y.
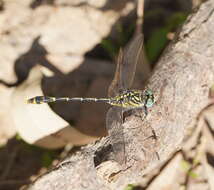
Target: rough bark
{"type": "Point", "coordinates": [181, 82]}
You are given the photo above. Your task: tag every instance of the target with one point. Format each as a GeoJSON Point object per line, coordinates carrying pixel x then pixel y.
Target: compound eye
{"type": "Point", "coordinates": [149, 102]}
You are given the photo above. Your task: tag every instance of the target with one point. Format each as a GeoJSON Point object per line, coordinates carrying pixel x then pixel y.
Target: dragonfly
{"type": "Point", "coordinates": [120, 96]}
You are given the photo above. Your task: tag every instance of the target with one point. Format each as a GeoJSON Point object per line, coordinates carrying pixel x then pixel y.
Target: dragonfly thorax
{"type": "Point", "coordinates": [133, 99]}
{"type": "Point", "coordinates": [128, 99]}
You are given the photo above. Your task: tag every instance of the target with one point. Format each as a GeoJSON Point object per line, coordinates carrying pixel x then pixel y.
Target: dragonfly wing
{"type": "Point", "coordinates": [131, 57]}
{"type": "Point", "coordinates": [114, 127]}
{"type": "Point", "coordinates": [116, 84]}
{"type": "Point", "coordinates": [126, 65]}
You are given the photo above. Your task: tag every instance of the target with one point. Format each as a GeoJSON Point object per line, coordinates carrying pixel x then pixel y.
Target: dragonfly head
{"type": "Point", "coordinates": [149, 98]}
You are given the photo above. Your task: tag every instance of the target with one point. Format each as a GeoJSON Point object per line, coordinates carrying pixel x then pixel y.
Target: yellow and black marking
{"type": "Point", "coordinates": [127, 99]}
{"type": "Point", "coordinates": [41, 99]}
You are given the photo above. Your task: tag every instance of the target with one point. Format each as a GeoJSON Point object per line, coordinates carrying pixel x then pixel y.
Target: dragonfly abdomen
{"type": "Point", "coordinates": [89, 99]}
{"type": "Point", "coordinates": [48, 99]}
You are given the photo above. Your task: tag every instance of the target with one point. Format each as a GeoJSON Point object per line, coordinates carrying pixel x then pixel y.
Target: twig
{"type": "Point", "coordinates": [140, 13]}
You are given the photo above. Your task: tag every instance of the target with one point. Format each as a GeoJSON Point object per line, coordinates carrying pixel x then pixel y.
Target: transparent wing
{"type": "Point", "coordinates": [116, 84]}
{"type": "Point", "coordinates": [126, 65]}
{"type": "Point", "coordinates": [130, 60]}
{"type": "Point", "coordinates": [115, 131]}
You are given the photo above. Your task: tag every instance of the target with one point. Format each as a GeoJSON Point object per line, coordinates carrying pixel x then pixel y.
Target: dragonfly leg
{"type": "Point", "coordinates": [145, 111]}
